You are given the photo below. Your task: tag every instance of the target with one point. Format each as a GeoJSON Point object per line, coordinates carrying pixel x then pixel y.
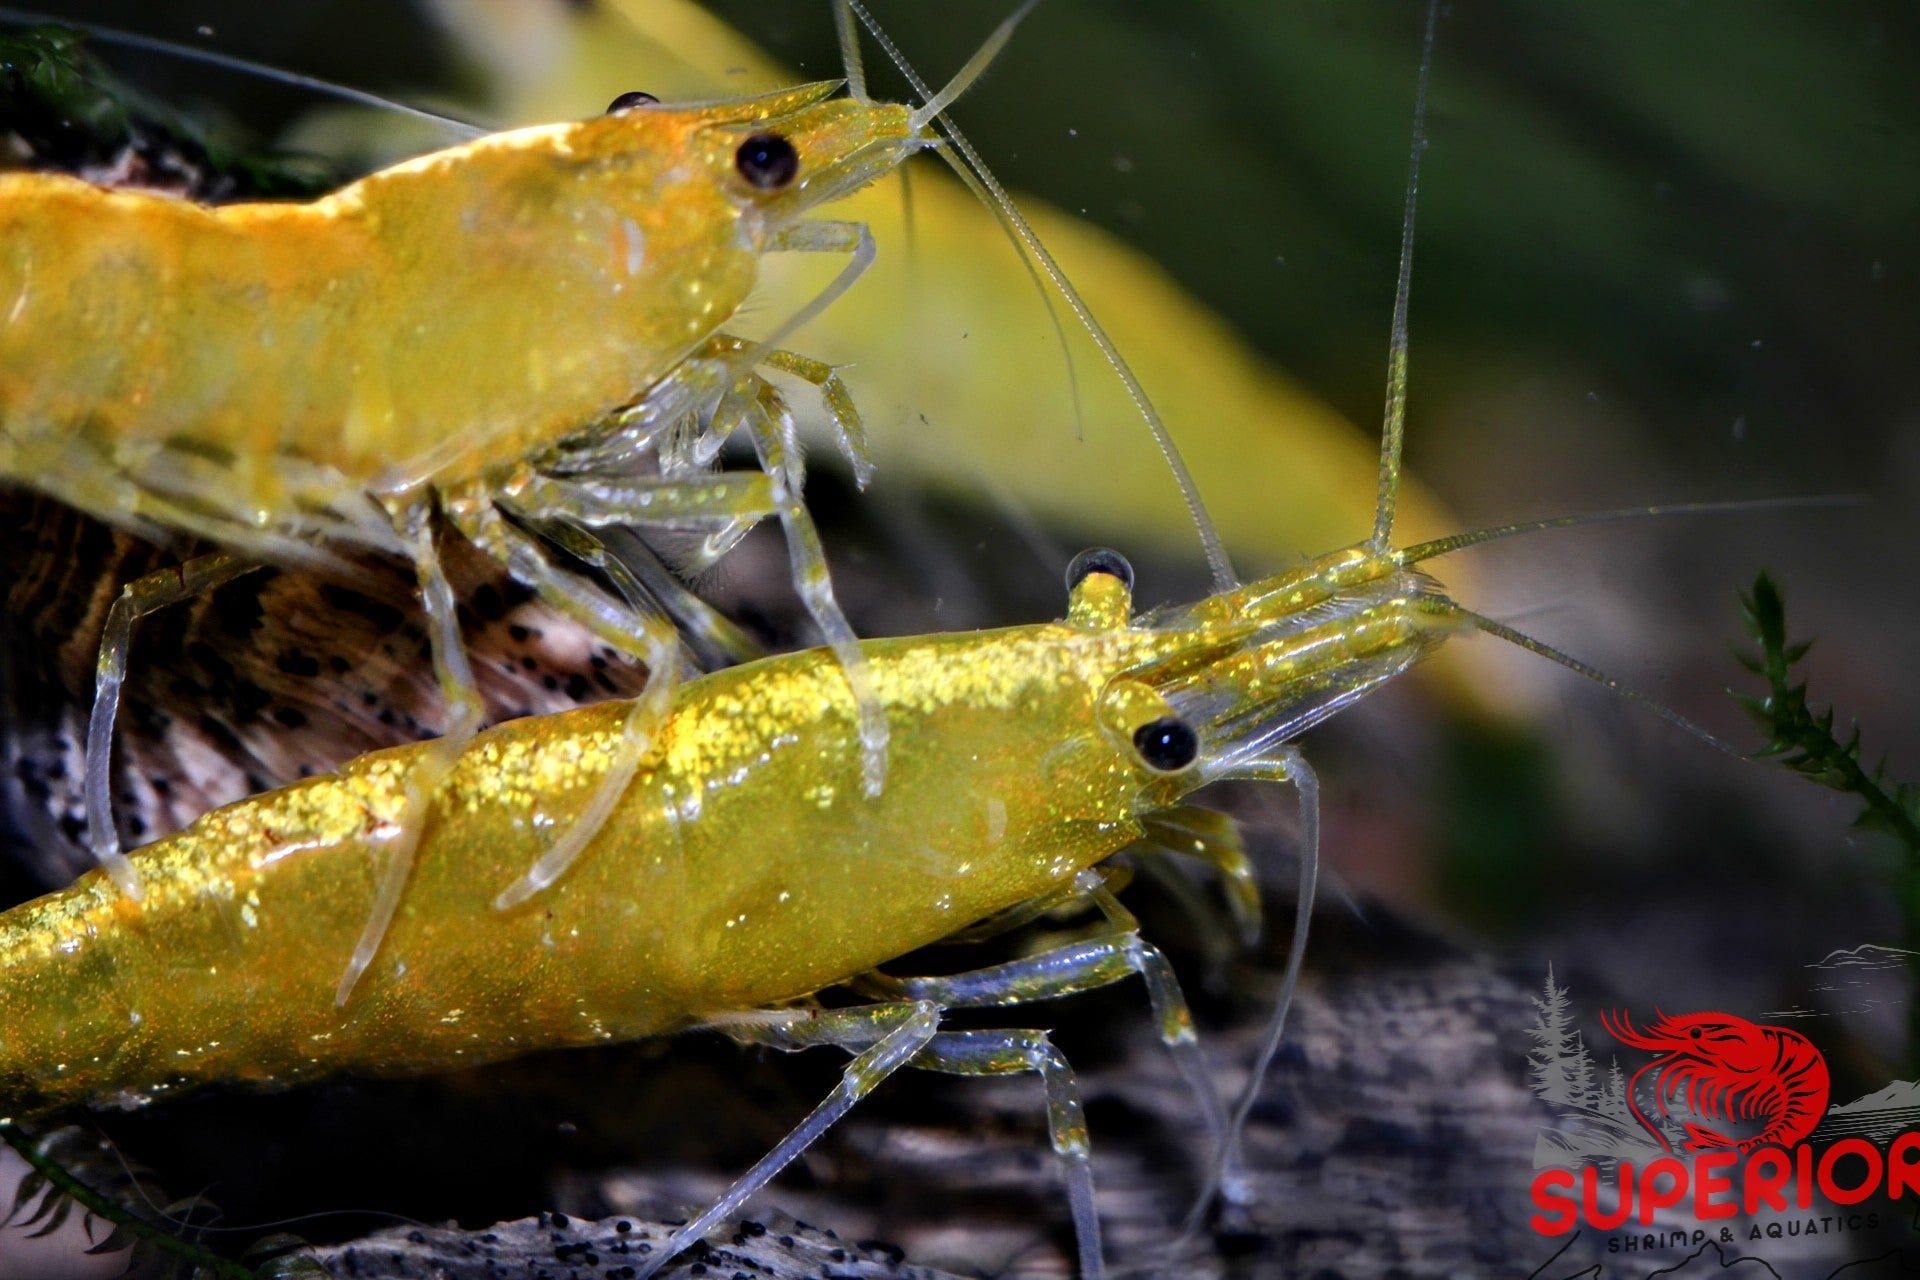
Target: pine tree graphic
{"type": "Point", "coordinates": [1559, 1069]}
{"type": "Point", "coordinates": [1613, 1095]}
{"type": "Point", "coordinates": [1594, 1124]}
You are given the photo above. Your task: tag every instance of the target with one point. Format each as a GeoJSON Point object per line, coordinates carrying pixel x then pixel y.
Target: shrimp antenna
{"type": "Point", "coordinates": [982, 178]}
{"type": "Point", "coordinates": [1393, 429]}
{"type": "Point", "coordinates": [1392, 435]}
{"type": "Point", "coordinates": [962, 80]}
{"type": "Point", "coordinates": [1543, 649]}
{"type": "Point", "coordinates": [1459, 541]}
{"type": "Point", "coordinates": [154, 44]}
{"type": "Point", "coordinates": [850, 60]}
{"type": "Point", "coordinates": [934, 105]}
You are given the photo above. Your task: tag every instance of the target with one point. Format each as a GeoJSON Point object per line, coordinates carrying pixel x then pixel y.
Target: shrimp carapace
{"type": "Point", "coordinates": [429, 324]}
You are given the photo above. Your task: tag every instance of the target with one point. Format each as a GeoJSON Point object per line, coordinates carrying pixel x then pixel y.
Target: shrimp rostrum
{"type": "Point", "coordinates": [521, 335]}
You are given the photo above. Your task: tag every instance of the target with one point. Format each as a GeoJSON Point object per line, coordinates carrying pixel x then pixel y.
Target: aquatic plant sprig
{"type": "Point", "coordinates": [68, 1168]}
{"type": "Point", "coordinates": [1804, 740]}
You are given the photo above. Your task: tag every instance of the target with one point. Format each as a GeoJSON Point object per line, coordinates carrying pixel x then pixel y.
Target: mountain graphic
{"type": "Point", "coordinates": [1880, 1115]}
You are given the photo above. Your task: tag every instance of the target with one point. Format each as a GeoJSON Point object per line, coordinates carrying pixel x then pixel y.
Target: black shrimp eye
{"type": "Point", "coordinates": [1168, 744]}
{"type": "Point", "coordinates": [631, 99]}
{"type": "Point", "coordinates": [1694, 1032]}
{"type": "Point", "coordinates": [767, 161]}
{"type": "Point", "coordinates": [1099, 560]}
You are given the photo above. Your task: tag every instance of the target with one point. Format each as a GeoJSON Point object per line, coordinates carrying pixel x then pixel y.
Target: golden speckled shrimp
{"type": "Point", "coordinates": [742, 869]}
{"type": "Point", "coordinates": [521, 335]}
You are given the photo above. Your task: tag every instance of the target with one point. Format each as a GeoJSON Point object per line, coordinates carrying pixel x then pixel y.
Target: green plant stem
{"type": "Point", "coordinates": [102, 1207]}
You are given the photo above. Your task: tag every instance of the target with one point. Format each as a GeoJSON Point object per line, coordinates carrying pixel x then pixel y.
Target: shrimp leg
{"type": "Point", "coordinates": [644, 634]}
{"type": "Point", "coordinates": [770, 427]}
{"type": "Point", "coordinates": [1289, 766]}
{"type": "Point", "coordinates": [914, 1006]}
{"type": "Point", "coordinates": [720, 362]}
{"type": "Point", "coordinates": [1001, 1053]}
{"type": "Point", "coordinates": [849, 430]}
{"type": "Point", "coordinates": [1080, 967]}
{"type": "Point", "coordinates": [715, 639]}
{"type": "Point", "coordinates": [885, 1037]}
{"type": "Point", "coordinates": [137, 599]}
{"type": "Point", "coordinates": [851, 238]}
{"type": "Point", "coordinates": [1189, 832]}
{"type": "Point", "coordinates": [465, 711]}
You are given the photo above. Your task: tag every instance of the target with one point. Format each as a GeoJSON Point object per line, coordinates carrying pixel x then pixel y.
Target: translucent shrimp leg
{"type": "Point", "coordinates": [730, 354]}
{"type": "Point", "coordinates": [1228, 1175]}
{"type": "Point", "coordinates": [465, 711]}
{"type": "Point", "coordinates": [904, 1031]}
{"type": "Point", "coordinates": [755, 406]}
{"type": "Point", "coordinates": [714, 639]}
{"type": "Point", "coordinates": [642, 633]}
{"type": "Point", "coordinates": [137, 599]}
{"type": "Point", "coordinates": [738, 500]}
{"type": "Point", "coordinates": [884, 1037]}
{"type": "Point", "coordinates": [1202, 835]}
{"type": "Point", "coordinates": [697, 383]}
{"type": "Point", "coordinates": [770, 427]}
{"type": "Point", "coordinates": [824, 235]}
{"type": "Point", "coordinates": [850, 432]}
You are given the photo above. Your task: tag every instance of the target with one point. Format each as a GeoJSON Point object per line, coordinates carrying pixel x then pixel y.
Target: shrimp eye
{"type": "Point", "coordinates": [1099, 560]}
{"type": "Point", "coordinates": [631, 99]}
{"type": "Point", "coordinates": [1168, 744]}
{"type": "Point", "coordinates": [1694, 1032]}
{"type": "Point", "coordinates": [767, 161]}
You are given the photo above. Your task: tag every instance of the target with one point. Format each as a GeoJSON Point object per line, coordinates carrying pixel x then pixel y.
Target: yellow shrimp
{"type": "Point", "coordinates": [292, 381]}
{"type": "Point", "coordinates": [742, 869]}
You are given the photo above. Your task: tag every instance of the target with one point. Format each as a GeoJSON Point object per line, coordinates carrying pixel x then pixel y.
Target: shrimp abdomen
{"type": "Point", "coordinates": [745, 866]}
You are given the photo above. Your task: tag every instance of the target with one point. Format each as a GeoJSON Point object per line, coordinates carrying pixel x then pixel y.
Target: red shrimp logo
{"type": "Point", "coordinates": [1732, 1071]}
{"type": "Point", "coordinates": [1708, 1127]}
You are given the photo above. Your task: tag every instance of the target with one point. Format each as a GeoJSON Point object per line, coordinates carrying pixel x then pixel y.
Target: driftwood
{"type": "Point", "coordinates": [556, 1247]}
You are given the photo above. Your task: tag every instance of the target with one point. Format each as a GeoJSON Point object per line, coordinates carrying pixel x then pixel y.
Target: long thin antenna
{"type": "Point", "coordinates": [1032, 268]}
{"type": "Point", "coordinates": [1216, 552]}
{"type": "Point", "coordinates": [1459, 541]}
{"type": "Point", "coordinates": [227, 61]}
{"type": "Point", "coordinates": [1394, 429]}
{"type": "Point", "coordinates": [1573, 664]}
{"type": "Point", "coordinates": [932, 106]}
{"type": "Point", "coordinates": [959, 83]}
{"type": "Point", "coordinates": [850, 59]}
{"type": "Point", "coordinates": [962, 80]}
